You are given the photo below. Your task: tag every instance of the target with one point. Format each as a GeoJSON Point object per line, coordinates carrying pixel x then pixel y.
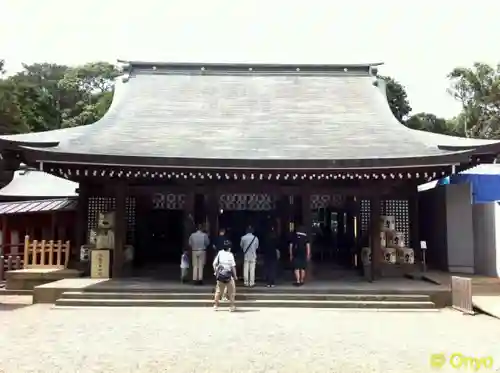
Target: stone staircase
{"type": "Point", "coordinates": [247, 298]}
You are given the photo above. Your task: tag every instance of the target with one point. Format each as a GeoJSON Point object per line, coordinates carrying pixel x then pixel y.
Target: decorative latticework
{"type": "Point", "coordinates": [241, 201]}
{"type": "Point", "coordinates": [365, 215]}
{"type": "Point", "coordinates": [97, 205]}
{"type": "Point", "coordinates": [319, 201]}
{"type": "Point", "coordinates": [130, 212]}
{"type": "Point", "coordinates": [169, 201]}
{"type": "Point", "coordinates": [400, 210]}
{"type": "Point", "coordinates": [397, 208]}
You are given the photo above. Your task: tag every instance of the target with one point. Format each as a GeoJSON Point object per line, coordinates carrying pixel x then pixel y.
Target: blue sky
{"type": "Point", "coordinates": [419, 41]}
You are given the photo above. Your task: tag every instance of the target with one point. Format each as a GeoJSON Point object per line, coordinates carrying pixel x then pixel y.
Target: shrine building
{"type": "Point", "coordinates": [231, 145]}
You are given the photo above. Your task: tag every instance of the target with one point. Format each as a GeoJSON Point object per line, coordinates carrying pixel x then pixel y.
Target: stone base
{"type": "Point", "coordinates": [50, 292]}
{"type": "Point", "coordinates": [28, 279]}
{"type": "Point", "coordinates": [390, 270]}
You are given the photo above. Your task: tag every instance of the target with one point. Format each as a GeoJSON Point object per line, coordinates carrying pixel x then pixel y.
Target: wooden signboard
{"type": "Point", "coordinates": [100, 263]}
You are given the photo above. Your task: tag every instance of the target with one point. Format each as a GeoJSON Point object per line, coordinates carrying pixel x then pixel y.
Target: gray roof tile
{"type": "Point", "coordinates": [251, 116]}
{"type": "Point", "coordinates": [22, 207]}
{"type": "Point", "coordinates": [38, 184]}
{"type": "Point", "coordinates": [47, 136]}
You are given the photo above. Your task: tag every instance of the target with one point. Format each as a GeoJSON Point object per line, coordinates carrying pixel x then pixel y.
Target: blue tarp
{"type": "Point", "coordinates": [444, 181]}
{"type": "Point", "coordinates": [484, 180]}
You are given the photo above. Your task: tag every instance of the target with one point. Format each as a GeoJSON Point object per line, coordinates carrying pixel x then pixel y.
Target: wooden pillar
{"type": "Point", "coordinates": [53, 226]}
{"type": "Point", "coordinates": [213, 212]}
{"type": "Point", "coordinates": [358, 232]}
{"type": "Point", "coordinates": [414, 239]}
{"type": "Point", "coordinates": [189, 223]}
{"type": "Point", "coordinates": [306, 211]}
{"type": "Point", "coordinates": [307, 223]}
{"type": "Point", "coordinates": [5, 232]}
{"type": "Point", "coordinates": [289, 214]}
{"type": "Point", "coordinates": [120, 230]}
{"type": "Point", "coordinates": [286, 217]}
{"type": "Point", "coordinates": [80, 233]}
{"type": "Point", "coordinates": [351, 234]}
{"type": "Point", "coordinates": [376, 248]}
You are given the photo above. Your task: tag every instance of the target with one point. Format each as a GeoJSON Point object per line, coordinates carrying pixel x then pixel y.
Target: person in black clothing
{"type": "Point", "coordinates": [271, 256]}
{"type": "Point", "coordinates": [300, 254]}
{"type": "Point", "coordinates": [222, 242]}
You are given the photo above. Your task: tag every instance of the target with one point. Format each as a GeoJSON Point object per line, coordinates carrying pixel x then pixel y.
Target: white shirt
{"type": "Point", "coordinates": [251, 249]}
{"type": "Point", "coordinates": [224, 259]}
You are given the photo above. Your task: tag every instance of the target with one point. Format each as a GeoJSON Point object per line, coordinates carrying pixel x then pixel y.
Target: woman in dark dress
{"type": "Point", "coordinates": [300, 254]}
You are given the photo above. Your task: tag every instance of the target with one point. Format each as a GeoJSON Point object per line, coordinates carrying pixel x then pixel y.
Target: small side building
{"type": "Point", "coordinates": [36, 204]}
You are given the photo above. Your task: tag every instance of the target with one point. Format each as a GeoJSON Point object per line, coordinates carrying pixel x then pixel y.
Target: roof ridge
{"type": "Point", "coordinates": [245, 64]}
{"type": "Point", "coordinates": [366, 68]}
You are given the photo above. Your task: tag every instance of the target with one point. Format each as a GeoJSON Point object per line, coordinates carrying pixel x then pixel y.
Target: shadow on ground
{"type": "Point", "coordinates": [238, 310]}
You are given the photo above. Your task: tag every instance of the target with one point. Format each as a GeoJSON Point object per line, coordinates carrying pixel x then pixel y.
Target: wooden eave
{"type": "Point", "coordinates": [33, 155]}
{"type": "Point", "coordinates": [81, 172]}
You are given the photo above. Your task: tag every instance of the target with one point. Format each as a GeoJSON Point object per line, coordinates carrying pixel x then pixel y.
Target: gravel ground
{"type": "Point", "coordinates": [142, 340]}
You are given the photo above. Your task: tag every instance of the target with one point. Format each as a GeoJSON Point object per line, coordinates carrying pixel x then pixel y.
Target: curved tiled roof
{"type": "Point", "coordinates": [38, 184]}
{"type": "Point", "coordinates": [180, 114]}
{"type": "Point", "coordinates": [47, 137]}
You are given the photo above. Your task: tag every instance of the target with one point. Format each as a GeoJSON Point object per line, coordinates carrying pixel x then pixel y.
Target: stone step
{"type": "Point", "coordinates": [209, 289]}
{"type": "Point", "coordinates": [261, 303]}
{"type": "Point", "coordinates": [249, 296]}
{"type": "Point", "coordinates": [15, 292]}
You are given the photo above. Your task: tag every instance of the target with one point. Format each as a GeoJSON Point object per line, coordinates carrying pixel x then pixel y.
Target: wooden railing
{"type": "Point", "coordinates": [7, 249]}
{"type": "Point", "coordinates": [9, 263]}
{"type": "Point", "coordinates": [46, 254]}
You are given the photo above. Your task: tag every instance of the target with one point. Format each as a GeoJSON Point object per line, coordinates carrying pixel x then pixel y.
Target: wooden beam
{"type": "Point", "coordinates": [120, 230]}
{"type": "Point", "coordinates": [81, 230]}
{"type": "Point", "coordinates": [213, 195]}
{"type": "Point", "coordinates": [5, 232]}
{"type": "Point", "coordinates": [188, 218]}
{"type": "Point", "coordinates": [414, 223]}
{"type": "Point", "coordinates": [306, 210]}
{"type": "Point", "coordinates": [376, 248]}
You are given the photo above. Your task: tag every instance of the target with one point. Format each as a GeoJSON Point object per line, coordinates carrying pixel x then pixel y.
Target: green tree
{"type": "Point", "coordinates": [11, 118]}
{"type": "Point", "coordinates": [431, 123]}
{"type": "Point", "coordinates": [93, 84]}
{"type": "Point", "coordinates": [51, 96]}
{"type": "Point", "coordinates": [397, 98]}
{"type": "Point", "coordinates": [478, 90]}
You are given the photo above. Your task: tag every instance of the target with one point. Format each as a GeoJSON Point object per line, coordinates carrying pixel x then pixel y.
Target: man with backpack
{"type": "Point", "coordinates": [249, 244]}
{"type": "Point", "coordinates": [225, 274]}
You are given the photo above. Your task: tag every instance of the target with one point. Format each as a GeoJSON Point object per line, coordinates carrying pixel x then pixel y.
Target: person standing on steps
{"type": "Point", "coordinates": [184, 266]}
{"type": "Point", "coordinates": [300, 254]}
{"type": "Point", "coordinates": [225, 274]}
{"type": "Point", "coordinates": [271, 257]}
{"type": "Point", "coordinates": [198, 241]}
{"type": "Point", "coordinates": [222, 242]}
{"type": "Point", "coordinates": [249, 244]}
